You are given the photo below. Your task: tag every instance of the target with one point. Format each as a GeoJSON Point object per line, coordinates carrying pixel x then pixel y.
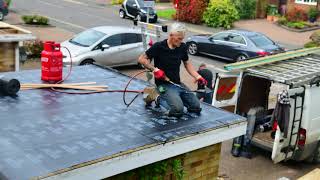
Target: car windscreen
{"type": "Point", "coordinates": [141, 3]}
{"type": "Point", "coordinates": [261, 41]}
{"type": "Point", "coordinates": [87, 38]}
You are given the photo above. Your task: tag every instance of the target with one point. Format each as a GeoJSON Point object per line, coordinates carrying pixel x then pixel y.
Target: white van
{"type": "Point", "coordinates": [256, 87]}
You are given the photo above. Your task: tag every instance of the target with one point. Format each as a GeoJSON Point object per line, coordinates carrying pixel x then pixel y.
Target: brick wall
{"type": "Point", "coordinates": [199, 164]}
{"type": "Point", "coordinates": [291, 4]}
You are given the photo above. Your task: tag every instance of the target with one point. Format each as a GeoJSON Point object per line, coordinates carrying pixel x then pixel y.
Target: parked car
{"type": "Point", "coordinates": [135, 9]}
{"type": "Point", "coordinates": [3, 9]}
{"type": "Point", "coordinates": [106, 45]}
{"type": "Point", "coordinates": [233, 45]}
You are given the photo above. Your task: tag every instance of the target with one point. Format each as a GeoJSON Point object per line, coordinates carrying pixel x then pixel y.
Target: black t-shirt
{"type": "Point", "coordinates": [207, 75]}
{"type": "Point", "coordinates": [168, 60]}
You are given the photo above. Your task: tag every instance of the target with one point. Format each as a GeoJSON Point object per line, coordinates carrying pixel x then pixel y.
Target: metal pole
{"type": "Point", "coordinates": [148, 15]}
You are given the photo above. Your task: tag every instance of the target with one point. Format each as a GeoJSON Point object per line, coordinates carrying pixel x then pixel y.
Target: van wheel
{"type": "Point", "coordinates": [86, 62]}
{"type": "Point", "coordinates": [1, 16]}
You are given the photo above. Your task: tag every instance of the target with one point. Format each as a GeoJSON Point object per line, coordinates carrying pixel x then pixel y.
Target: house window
{"type": "Point", "coordinates": [308, 2]}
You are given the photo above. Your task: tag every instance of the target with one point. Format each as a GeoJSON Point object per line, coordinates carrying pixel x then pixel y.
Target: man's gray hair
{"type": "Point", "coordinates": [178, 28]}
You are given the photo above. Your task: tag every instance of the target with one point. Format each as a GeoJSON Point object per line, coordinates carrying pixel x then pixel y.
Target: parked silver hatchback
{"type": "Point", "coordinates": [105, 45]}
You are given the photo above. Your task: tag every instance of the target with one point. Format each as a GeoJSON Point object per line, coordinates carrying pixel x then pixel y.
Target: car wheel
{"type": "Point", "coordinates": [241, 57]}
{"type": "Point", "coordinates": [193, 48]}
{"type": "Point", "coordinates": [139, 18]}
{"type": "Point", "coordinates": [1, 16]}
{"type": "Point", "coordinates": [122, 14]}
{"type": "Point", "coordinates": [86, 62]}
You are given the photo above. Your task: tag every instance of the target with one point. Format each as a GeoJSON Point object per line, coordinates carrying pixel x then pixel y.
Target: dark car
{"type": "Point", "coordinates": [135, 9]}
{"type": "Point", "coordinates": [3, 9]}
{"type": "Point", "coordinates": [233, 45]}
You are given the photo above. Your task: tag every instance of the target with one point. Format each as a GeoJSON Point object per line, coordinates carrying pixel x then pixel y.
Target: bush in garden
{"type": "Point", "coordinates": [8, 2]}
{"type": "Point", "coordinates": [35, 20]}
{"type": "Point", "coordinates": [315, 37]}
{"type": "Point", "coordinates": [220, 13]}
{"type": "Point", "coordinates": [246, 8]}
{"type": "Point", "coordinates": [313, 14]}
{"type": "Point", "coordinates": [272, 9]}
{"type": "Point", "coordinates": [297, 14]}
{"type": "Point", "coordinates": [297, 25]}
{"type": "Point", "coordinates": [33, 48]}
{"type": "Point", "coordinates": [191, 10]}
{"type": "Point", "coordinates": [311, 44]}
{"type": "Point", "coordinates": [282, 20]}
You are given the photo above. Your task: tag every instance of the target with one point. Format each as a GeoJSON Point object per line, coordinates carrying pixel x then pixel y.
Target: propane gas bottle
{"type": "Point", "coordinates": [51, 62]}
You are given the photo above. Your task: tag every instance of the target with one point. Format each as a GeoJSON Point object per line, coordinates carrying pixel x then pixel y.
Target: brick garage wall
{"type": "Point", "coordinates": [199, 164]}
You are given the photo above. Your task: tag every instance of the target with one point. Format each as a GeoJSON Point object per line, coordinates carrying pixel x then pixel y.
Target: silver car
{"type": "Point", "coordinates": [105, 45]}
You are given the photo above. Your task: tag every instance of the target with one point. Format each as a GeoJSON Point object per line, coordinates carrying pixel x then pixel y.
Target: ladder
{"type": "Point", "coordinates": [270, 59]}
{"type": "Point", "coordinates": [295, 71]}
{"type": "Point", "coordinates": [296, 124]}
{"type": "Point", "coordinates": [150, 30]}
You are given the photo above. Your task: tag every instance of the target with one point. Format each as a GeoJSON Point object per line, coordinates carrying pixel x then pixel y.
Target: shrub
{"type": "Point", "coordinates": [297, 25]}
{"type": "Point", "coordinates": [315, 37]}
{"type": "Point", "coordinates": [282, 20]}
{"type": "Point", "coordinates": [272, 10]}
{"type": "Point", "coordinates": [191, 10]}
{"type": "Point", "coordinates": [246, 8]}
{"type": "Point", "coordinates": [220, 14]}
{"type": "Point", "coordinates": [33, 48]}
{"type": "Point", "coordinates": [35, 20]}
{"type": "Point", "coordinates": [113, 2]}
{"type": "Point", "coordinates": [297, 14]}
{"type": "Point", "coordinates": [8, 2]}
{"type": "Point", "coordinates": [313, 13]}
{"type": "Point", "coordinates": [311, 44]}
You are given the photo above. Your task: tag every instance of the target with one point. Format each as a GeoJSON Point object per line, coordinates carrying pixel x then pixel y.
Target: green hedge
{"type": "Point", "coordinates": [35, 20]}
{"type": "Point", "coordinates": [246, 8]}
{"type": "Point", "coordinates": [221, 13]}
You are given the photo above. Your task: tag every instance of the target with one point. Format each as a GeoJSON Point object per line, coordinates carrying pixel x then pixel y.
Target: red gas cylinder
{"type": "Point", "coordinates": [51, 62]}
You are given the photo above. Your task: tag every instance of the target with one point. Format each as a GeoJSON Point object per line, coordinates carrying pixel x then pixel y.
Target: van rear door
{"type": "Point", "coordinates": [225, 92]}
{"type": "Point", "coordinates": [283, 148]}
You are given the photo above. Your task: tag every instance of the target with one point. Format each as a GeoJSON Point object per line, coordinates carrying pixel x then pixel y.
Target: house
{"type": "Point", "coordinates": [285, 6]}
{"type": "Point", "coordinates": [303, 4]}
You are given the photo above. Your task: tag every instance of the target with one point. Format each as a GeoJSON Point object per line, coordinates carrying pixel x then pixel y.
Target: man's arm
{"type": "Point", "coordinates": [190, 69]}
{"type": "Point", "coordinates": [145, 61]}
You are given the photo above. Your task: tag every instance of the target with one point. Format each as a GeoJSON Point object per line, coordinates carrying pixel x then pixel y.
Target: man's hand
{"type": "Point", "coordinates": [202, 81]}
{"type": "Point", "coordinates": [159, 74]}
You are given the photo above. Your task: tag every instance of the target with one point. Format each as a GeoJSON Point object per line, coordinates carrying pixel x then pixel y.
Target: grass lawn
{"type": "Point", "coordinates": [166, 13]}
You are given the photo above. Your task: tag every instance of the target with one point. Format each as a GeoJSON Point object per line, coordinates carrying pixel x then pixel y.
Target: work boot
{"type": "Point", "coordinates": [150, 94]}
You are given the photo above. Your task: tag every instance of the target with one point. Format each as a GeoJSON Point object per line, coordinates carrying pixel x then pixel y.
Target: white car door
{"type": "Point", "coordinates": [132, 48]}
{"type": "Point", "coordinates": [110, 56]}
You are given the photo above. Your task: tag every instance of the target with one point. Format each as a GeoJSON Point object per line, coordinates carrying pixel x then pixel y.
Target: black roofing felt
{"type": "Point", "coordinates": [43, 131]}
